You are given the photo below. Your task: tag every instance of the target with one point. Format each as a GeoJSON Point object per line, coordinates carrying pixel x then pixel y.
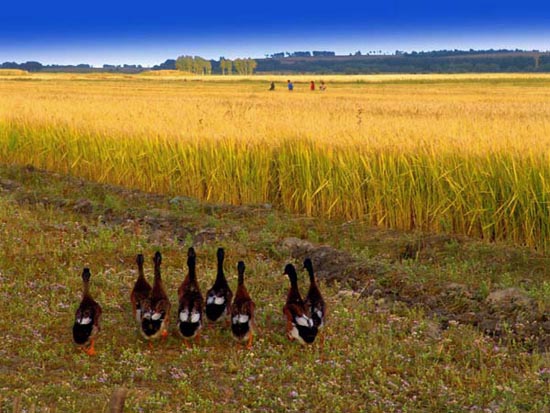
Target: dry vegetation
{"type": "Point", "coordinates": [464, 154]}
{"type": "Point", "coordinates": [12, 72]}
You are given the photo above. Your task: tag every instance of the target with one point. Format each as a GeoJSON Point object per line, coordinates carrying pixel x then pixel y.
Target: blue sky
{"type": "Point", "coordinates": [98, 32]}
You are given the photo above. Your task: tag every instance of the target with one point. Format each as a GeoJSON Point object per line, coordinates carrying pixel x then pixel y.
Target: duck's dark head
{"type": "Point", "coordinates": [290, 271]}
{"type": "Point", "coordinates": [191, 257]}
{"type": "Point", "coordinates": [157, 259]}
{"type": "Point", "coordinates": [308, 265]}
{"type": "Point", "coordinates": [220, 275]}
{"type": "Point", "coordinates": [86, 275]}
{"type": "Point", "coordinates": [140, 260]}
{"type": "Point", "coordinates": [240, 269]}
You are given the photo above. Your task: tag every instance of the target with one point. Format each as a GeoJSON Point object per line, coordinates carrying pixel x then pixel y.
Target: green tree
{"type": "Point", "coordinates": [185, 64]}
{"type": "Point", "coordinates": [245, 66]}
{"type": "Point", "coordinates": [238, 64]}
{"type": "Point", "coordinates": [196, 65]}
{"type": "Point", "coordinates": [226, 66]}
{"type": "Point", "coordinates": [251, 65]}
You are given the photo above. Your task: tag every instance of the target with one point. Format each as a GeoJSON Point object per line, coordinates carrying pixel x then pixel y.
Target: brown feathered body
{"type": "Point", "coordinates": [314, 301]}
{"type": "Point", "coordinates": [242, 310]}
{"type": "Point", "coordinates": [156, 308]}
{"type": "Point", "coordinates": [218, 298]}
{"type": "Point", "coordinates": [299, 325]}
{"type": "Point", "coordinates": [141, 291]}
{"type": "Point", "coordinates": [87, 317]}
{"type": "Point", "coordinates": [190, 301]}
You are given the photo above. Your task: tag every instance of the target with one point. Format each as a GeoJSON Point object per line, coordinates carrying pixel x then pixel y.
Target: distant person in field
{"type": "Point", "coordinates": [272, 87]}
{"type": "Point", "coordinates": [290, 85]}
{"type": "Point", "coordinates": [322, 86]}
{"type": "Point", "coordinates": [312, 86]}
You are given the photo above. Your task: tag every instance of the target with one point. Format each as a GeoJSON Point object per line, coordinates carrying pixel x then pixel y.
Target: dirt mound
{"type": "Point", "coordinates": [332, 264]}
{"type": "Point", "coordinates": [510, 300]}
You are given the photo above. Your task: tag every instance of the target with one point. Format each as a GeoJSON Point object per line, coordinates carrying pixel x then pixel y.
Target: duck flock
{"type": "Point", "coordinates": [151, 307]}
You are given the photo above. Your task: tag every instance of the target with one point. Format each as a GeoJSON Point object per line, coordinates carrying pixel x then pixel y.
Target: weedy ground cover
{"type": "Point", "coordinates": [380, 355]}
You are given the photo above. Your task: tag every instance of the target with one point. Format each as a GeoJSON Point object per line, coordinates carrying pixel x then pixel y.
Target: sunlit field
{"type": "Point", "coordinates": [95, 169]}
{"type": "Point", "coordinates": [460, 154]}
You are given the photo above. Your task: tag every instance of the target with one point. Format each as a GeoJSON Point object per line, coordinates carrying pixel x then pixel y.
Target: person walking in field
{"type": "Point", "coordinates": [322, 86]}
{"type": "Point", "coordinates": [290, 86]}
{"type": "Point", "coordinates": [272, 87]}
{"type": "Point", "coordinates": [312, 86]}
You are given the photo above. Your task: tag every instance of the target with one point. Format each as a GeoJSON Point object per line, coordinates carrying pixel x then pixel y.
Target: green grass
{"type": "Point", "coordinates": [378, 357]}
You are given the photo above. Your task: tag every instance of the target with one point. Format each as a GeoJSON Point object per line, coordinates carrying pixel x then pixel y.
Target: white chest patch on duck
{"type": "Point", "coordinates": [240, 319]}
{"type": "Point", "coordinates": [296, 335]}
{"type": "Point", "coordinates": [84, 321]}
{"type": "Point", "coordinates": [156, 316]}
{"type": "Point", "coordinates": [213, 299]}
{"type": "Point", "coordinates": [195, 317]}
{"type": "Point", "coordinates": [304, 321]}
{"type": "Point", "coordinates": [319, 314]}
{"type": "Point", "coordinates": [184, 316]}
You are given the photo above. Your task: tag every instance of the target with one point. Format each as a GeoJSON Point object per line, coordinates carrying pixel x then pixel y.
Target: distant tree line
{"type": "Point", "coordinates": [201, 66]}
{"type": "Point", "coordinates": [458, 52]}
{"type": "Point", "coordinates": [437, 61]}
{"type": "Point", "coordinates": [432, 53]}
{"type": "Point", "coordinates": [194, 64]}
{"type": "Point", "coordinates": [79, 68]}
{"type": "Point", "coordinates": [433, 62]}
{"type": "Point", "coordinates": [169, 64]}
{"type": "Point", "coordinates": [28, 66]}
{"type": "Point", "coordinates": [315, 53]}
{"type": "Point", "coordinates": [244, 66]}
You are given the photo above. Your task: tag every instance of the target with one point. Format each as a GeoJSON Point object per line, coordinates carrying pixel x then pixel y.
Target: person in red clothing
{"type": "Point", "coordinates": [312, 85]}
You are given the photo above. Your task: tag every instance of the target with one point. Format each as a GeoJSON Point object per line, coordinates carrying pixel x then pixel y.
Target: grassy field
{"type": "Point", "coordinates": [421, 199]}
{"type": "Point", "coordinates": [464, 154]}
{"type": "Point", "coordinates": [381, 354]}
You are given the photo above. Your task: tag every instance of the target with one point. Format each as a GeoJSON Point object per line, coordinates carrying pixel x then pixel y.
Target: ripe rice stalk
{"type": "Point", "coordinates": [461, 156]}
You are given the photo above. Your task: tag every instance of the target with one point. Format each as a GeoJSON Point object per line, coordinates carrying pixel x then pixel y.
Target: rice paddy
{"type": "Point", "coordinates": [464, 154]}
{"type": "Point", "coordinates": [461, 154]}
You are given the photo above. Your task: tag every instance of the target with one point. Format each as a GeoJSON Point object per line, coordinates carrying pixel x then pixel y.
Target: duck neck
{"type": "Point", "coordinates": [158, 278]}
{"type": "Point", "coordinates": [294, 283]}
{"type": "Point", "coordinates": [220, 276]}
{"type": "Point", "coordinates": [85, 282]}
{"type": "Point", "coordinates": [141, 274]}
{"type": "Point", "coordinates": [192, 273]}
{"type": "Point", "coordinates": [86, 288]}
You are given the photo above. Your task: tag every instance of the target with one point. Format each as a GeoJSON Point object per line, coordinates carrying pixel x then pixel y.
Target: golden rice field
{"type": "Point", "coordinates": [466, 154]}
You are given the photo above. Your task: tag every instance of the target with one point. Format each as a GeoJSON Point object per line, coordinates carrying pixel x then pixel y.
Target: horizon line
{"type": "Point", "coordinates": [373, 53]}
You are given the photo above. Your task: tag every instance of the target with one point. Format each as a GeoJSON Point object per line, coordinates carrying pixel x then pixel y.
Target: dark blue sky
{"type": "Point", "coordinates": [101, 31]}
